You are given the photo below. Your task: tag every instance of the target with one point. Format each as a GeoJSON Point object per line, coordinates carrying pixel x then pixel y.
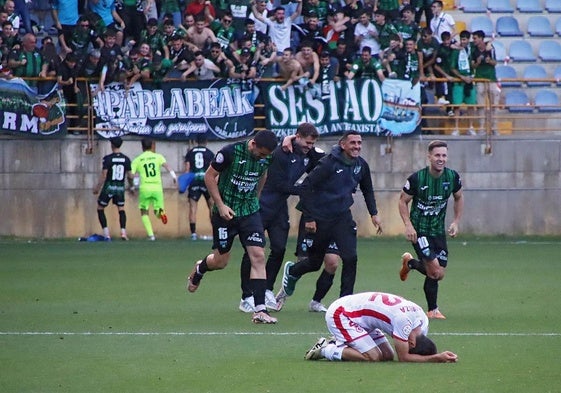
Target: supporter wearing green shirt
{"type": "Point", "coordinates": [483, 61]}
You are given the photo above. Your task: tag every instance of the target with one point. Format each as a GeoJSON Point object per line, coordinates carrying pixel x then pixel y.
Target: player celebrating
{"type": "Point", "coordinates": [197, 161]}
{"type": "Point", "coordinates": [358, 323]}
{"type": "Point", "coordinates": [429, 190]}
{"type": "Point", "coordinates": [234, 179]}
{"type": "Point", "coordinates": [148, 165]}
{"type": "Point", "coordinates": [116, 166]}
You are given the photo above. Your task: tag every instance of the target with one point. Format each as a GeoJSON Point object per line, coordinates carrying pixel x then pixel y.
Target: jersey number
{"type": "Point", "coordinates": [199, 160]}
{"type": "Point", "coordinates": [118, 172]}
{"type": "Point", "coordinates": [150, 169]}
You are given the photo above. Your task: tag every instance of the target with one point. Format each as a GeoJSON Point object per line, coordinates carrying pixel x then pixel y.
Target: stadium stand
{"type": "Point", "coordinates": [507, 72]}
{"type": "Point", "coordinates": [558, 27]}
{"type": "Point", "coordinates": [552, 5]}
{"type": "Point", "coordinates": [507, 26]}
{"type": "Point", "coordinates": [500, 6]}
{"type": "Point", "coordinates": [549, 51]}
{"type": "Point", "coordinates": [531, 6]}
{"type": "Point", "coordinates": [535, 71]}
{"type": "Point", "coordinates": [557, 75]}
{"type": "Point", "coordinates": [547, 101]}
{"type": "Point", "coordinates": [539, 26]}
{"type": "Point", "coordinates": [473, 6]}
{"type": "Point", "coordinates": [521, 50]}
{"type": "Point", "coordinates": [500, 50]}
{"type": "Point", "coordinates": [517, 101]}
{"type": "Point", "coordinates": [482, 23]}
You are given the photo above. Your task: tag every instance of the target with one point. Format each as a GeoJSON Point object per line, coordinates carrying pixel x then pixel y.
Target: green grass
{"type": "Point", "coordinates": [99, 317]}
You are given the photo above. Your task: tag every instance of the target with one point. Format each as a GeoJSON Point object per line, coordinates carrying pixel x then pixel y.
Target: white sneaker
{"type": "Point", "coordinates": [247, 305]}
{"type": "Point", "coordinates": [316, 307]}
{"type": "Point", "coordinates": [314, 353]}
{"type": "Point", "coordinates": [152, 238]}
{"type": "Point", "coordinates": [451, 113]}
{"type": "Point", "coordinates": [442, 101]}
{"type": "Point", "coordinates": [456, 132]}
{"type": "Point", "coordinates": [471, 131]}
{"type": "Point", "coordinates": [193, 236]}
{"type": "Point", "coordinates": [270, 300]}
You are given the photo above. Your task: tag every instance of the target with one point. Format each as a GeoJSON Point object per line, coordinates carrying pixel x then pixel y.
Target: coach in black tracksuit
{"type": "Point", "coordinates": [325, 201]}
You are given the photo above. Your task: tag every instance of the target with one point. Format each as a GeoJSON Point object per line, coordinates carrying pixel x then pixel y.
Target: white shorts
{"type": "Point", "coordinates": [347, 332]}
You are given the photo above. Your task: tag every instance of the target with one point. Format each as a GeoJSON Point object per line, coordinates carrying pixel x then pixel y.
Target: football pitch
{"type": "Point", "coordinates": [115, 317]}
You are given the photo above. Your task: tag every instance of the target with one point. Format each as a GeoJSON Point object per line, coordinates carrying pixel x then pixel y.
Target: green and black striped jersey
{"type": "Point", "coordinates": [430, 199]}
{"type": "Point", "coordinates": [240, 173]}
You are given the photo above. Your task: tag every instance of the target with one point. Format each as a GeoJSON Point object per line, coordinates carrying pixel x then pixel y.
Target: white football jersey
{"type": "Point", "coordinates": [392, 314]}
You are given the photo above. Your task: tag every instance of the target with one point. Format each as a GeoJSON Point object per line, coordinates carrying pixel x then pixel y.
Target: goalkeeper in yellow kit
{"type": "Point", "coordinates": [150, 192]}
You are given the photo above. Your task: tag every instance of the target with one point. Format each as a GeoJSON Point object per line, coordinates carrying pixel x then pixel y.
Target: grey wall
{"type": "Point", "coordinates": [45, 186]}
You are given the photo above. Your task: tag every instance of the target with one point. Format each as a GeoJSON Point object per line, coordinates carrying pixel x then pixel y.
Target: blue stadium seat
{"type": "Point", "coordinates": [517, 101]}
{"type": "Point", "coordinates": [529, 6]}
{"type": "Point", "coordinates": [552, 5]}
{"type": "Point", "coordinates": [507, 72]}
{"type": "Point", "coordinates": [535, 71]}
{"type": "Point", "coordinates": [472, 6]}
{"type": "Point", "coordinates": [500, 50]}
{"type": "Point", "coordinates": [500, 6]}
{"type": "Point", "coordinates": [539, 26]}
{"type": "Point", "coordinates": [507, 26]}
{"type": "Point", "coordinates": [557, 75]}
{"type": "Point", "coordinates": [521, 50]}
{"type": "Point", "coordinates": [482, 23]}
{"type": "Point", "coordinates": [547, 101]}
{"type": "Point", "coordinates": [549, 50]}
{"type": "Point", "coordinates": [558, 27]}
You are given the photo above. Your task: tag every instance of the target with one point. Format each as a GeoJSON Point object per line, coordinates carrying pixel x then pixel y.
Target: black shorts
{"type": "Point", "coordinates": [198, 189]}
{"type": "Point", "coordinates": [112, 193]}
{"type": "Point", "coordinates": [431, 247]}
{"type": "Point", "coordinates": [249, 228]}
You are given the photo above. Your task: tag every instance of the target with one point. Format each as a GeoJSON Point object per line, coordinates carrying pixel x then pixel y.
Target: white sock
{"type": "Point", "coordinates": [106, 232]}
{"type": "Point", "coordinates": [332, 352]}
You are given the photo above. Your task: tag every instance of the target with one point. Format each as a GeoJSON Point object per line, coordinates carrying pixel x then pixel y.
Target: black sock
{"type": "Point", "coordinates": [123, 219]}
{"type": "Point", "coordinates": [245, 271]}
{"type": "Point", "coordinates": [415, 264]}
{"type": "Point", "coordinates": [259, 286]}
{"type": "Point", "coordinates": [102, 218]}
{"type": "Point", "coordinates": [193, 227]}
{"type": "Point", "coordinates": [323, 284]}
{"type": "Point", "coordinates": [431, 292]}
{"type": "Point", "coordinates": [201, 269]}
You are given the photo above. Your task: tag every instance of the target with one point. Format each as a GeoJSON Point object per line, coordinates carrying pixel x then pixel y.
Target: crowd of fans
{"type": "Point", "coordinates": [310, 42]}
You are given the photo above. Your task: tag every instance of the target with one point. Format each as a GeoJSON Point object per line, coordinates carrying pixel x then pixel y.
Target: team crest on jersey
{"type": "Point", "coordinates": [306, 161]}
{"type": "Point", "coordinates": [407, 186]}
{"type": "Point", "coordinates": [446, 185]}
{"type": "Point", "coordinates": [357, 169]}
{"type": "Point", "coordinates": [219, 158]}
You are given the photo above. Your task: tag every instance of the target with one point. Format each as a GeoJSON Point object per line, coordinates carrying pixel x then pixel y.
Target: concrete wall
{"type": "Point", "coordinates": [45, 186]}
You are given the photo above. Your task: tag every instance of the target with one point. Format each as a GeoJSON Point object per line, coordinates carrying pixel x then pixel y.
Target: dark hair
{"type": "Point", "coordinates": [249, 21]}
{"type": "Point", "coordinates": [465, 34]}
{"type": "Point", "coordinates": [116, 142]}
{"type": "Point", "coordinates": [426, 31]}
{"type": "Point", "coordinates": [307, 129]}
{"type": "Point", "coordinates": [478, 33]}
{"type": "Point", "coordinates": [424, 346]}
{"type": "Point", "coordinates": [266, 139]}
{"type": "Point", "coordinates": [146, 144]}
{"type": "Point", "coordinates": [347, 133]}
{"type": "Point", "coordinates": [201, 139]}
{"type": "Point", "coordinates": [367, 49]}
{"type": "Point", "coordinates": [445, 35]}
{"type": "Point", "coordinates": [437, 143]}
{"type": "Point", "coordinates": [440, 3]}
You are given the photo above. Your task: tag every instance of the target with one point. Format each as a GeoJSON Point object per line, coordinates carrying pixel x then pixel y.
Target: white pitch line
{"type": "Point", "coordinates": [469, 334]}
